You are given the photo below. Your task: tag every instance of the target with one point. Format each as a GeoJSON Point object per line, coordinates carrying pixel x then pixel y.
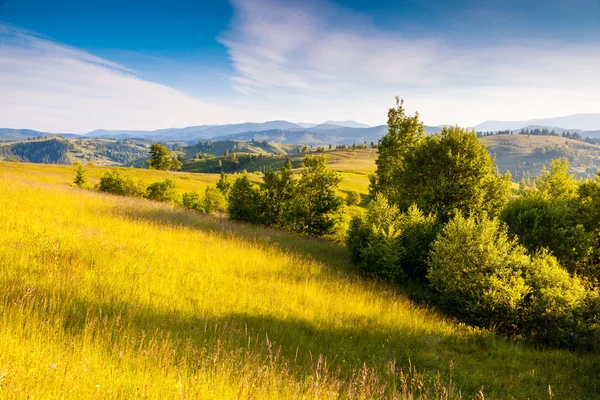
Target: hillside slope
{"type": "Point", "coordinates": [104, 296]}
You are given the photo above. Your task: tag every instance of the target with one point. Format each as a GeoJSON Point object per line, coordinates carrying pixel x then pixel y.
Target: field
{"type": "Point", "coordinates": [109, 297]}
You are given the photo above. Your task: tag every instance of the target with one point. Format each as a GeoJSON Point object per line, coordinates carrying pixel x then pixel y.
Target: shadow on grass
{"type": "Point", "coordinates": [503, 369]}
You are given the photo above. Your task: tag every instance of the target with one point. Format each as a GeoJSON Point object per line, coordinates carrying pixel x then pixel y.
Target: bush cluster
{"type": "Point", "coordinates": [307, 205]}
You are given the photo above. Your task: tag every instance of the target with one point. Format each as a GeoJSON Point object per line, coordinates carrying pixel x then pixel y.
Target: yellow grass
{"type": "Point", "coordinates": [109, 297]}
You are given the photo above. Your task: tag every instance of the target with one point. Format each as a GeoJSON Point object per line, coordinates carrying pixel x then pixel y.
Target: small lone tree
{"type": "Point", "coordinates": [161, 159]}
{"type": "Point", "coordinates": [353, 198]}
{"type": "Point", "coordinates": [80, 177]}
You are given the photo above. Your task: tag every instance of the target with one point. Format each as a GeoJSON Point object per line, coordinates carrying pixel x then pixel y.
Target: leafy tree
{"type": "Point", "coordinates": [226, 153]}
{"type": "Point", "coordinates": [353, 198]}
{"type": "Point", "coordinates": [557, 182]}
{"type": "Point", "coordinates": [80, 176]}
{"type": "Point", "coordinates": [448, 172]}
{"type": "Point", "coordinates": [115, 182]}
{"type": "Point", "coordinates": [478, 271]}
{"type": "Point", "coordinates": [244, 201]}
{"type": "Point", "coordinates": [404, 131]}
{"type": "Point", "coordinates": [317, 209]}
{"type": "Point", "coordinates": [161, 159]}
{"type": "Point", "coordinates": [214, 201]}
{"type": "Point", "coordinates": [288, 163]}
{"type": "Point", "coordinates": [191, 201]}
{"type": "Point", "coordinates": [418, 233]}
{"type": "Point", "coordinates": [277, 192]}
{"type": "Point", "coordinates": [164, 191]}
{"type": "Point", "coordinates": [224, 184]}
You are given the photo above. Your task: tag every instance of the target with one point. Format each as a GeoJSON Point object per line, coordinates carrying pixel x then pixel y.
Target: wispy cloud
{"type": "Point", "coordinates": [48, 86]}
{"type": "Point", "coordinates": [304, 49]}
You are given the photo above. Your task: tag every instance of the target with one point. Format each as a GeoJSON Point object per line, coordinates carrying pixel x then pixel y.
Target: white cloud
{"type": "Point", "coordinates": [297, 51]}
{"type": "Point", "coordinates": [51, 87]}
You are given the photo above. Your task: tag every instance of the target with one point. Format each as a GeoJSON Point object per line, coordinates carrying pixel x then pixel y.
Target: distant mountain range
{"type": "Point", "coordinates": [326, 133]}
{"type": "Point", "coordinates": [329, 132]}
{"type": "Point", "coordinates": [576, 122]}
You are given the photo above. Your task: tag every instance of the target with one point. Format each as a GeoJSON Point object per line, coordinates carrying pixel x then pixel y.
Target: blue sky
{"type": "Point", "coordinates": [75, 66]}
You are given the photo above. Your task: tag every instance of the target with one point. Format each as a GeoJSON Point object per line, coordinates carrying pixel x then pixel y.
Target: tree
{"type": "Point", "coordinates": [277, 192]}
{"type": "Point", "coordinates": [224, 184]}
{"type": "Point", "coordinates": [244, 201]}
{"type": "Point", "coordinates": [403, 132]}
{"type": "Point", "coordinates": [214, 201]}
{"type": "Point", "coordinates": [448, 172]}
{"type": "Point", "coordinates": [317, 209]}
{"type": "Point", "coordinates": [478, 271]}
{"type": "Point", "coordinates": [353, 198]}
{"type": "Point", "coordinates": [115, 182]}
{"type": "Point", "coordinates": [191, 201]}
{"type": "Point", "coordinates": [288, 163]}
{"type": "Point", "coordinates": [557, 182]}
{"type": "Point", "coordinates": [161, 159]}
{"type": "Point", "coordinates": [226, 153]}
{"type": "Point", "coordinates": [164, 191]}
{"type": "Point", "coordinates": [80, 176]}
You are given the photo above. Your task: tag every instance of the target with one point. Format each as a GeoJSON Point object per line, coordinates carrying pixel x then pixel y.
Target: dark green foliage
{"type": "Point", "coordinates": [448, 172]}
{"type": "Point", "coordinates": [161, 159]}
{"type": "Point", "coordinates": [390, 244]}
{"type": "Point", "coordinates": [353, 198]}
{"type": "Point", "coordinates": [80, 177]}
{"type": "Point", "coordinates": [403, 132]}
{"type": "Point", "coordinates": [478, 271]}
{"type": "Point", "coordinates": [541, 222]}
{"type": "Point", "coordinates": [50, 151]}
{"type": "Point", "coordinates": [316, 209]}
{"type": "Point", "coordinates": [244, 201]}
{"type": "Point", "coordinates": [373, 240]}
{"type": "Point", "coordinates": [115, 182]}
{"type": "Point", "coordinates": [277, 191]}
{"type": "Point", "coordinates": [164, 191]}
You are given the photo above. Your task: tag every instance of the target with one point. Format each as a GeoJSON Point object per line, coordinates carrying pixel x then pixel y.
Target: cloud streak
{"type": "Point", "coordinates": [326, 52]}
{"type": "Point", "coordinates": [51, 87]}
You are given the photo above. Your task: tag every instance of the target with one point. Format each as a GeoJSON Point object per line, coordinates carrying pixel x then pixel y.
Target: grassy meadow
{"type": "Point", "coordinates": [111, 297]}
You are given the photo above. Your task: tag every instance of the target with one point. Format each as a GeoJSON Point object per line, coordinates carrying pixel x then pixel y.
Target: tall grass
{"type": "Point", "coordinates": [104, 296]}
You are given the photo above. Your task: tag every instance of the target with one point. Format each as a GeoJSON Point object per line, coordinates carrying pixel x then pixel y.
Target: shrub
{"type": "Point", "coordinates": [353, 198]}
{"type": "Point", "coordinates": [478, 271]}
{"type": "Point", "coordinates": [213, 201]}
{"type": "Point", "coordinates": [553, 313]}
{"type": "Point", "coordinates": [191, 201]}
{"type": "Point", "coordinates": [115, 182]}
{"type": "Point", "coordinates": [277, 193]}
{"type": "Point", "coordinates": [165, 191]}
{"type": "Point", "coordinates": [373, 240]}
{"type": "Point", "coordinates": [418, 233]}
{"type": "Point", "coordinates": [244, 201]}
{"type": "Point", "coordinates": [80, 177]}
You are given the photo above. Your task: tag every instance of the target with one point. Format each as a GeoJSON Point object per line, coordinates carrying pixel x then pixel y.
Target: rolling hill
{"type": "Point", "coordinates": [581, 122]}
{"type": "Point", "coordinates": [106, 296]}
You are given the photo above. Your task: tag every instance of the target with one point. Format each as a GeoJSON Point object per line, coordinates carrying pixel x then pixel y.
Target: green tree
{"type": "Point", "coordinates": [160, 158]}
{"type": "Point", "coordinates": [214, 201]}
{"type": "Point", "coordinates": [80, 176]}
{"type": "Point", "coordinates": [404, 131]}
{"type": "Point", "coordinates": [164, 191]}
{"type": "Point", "coordinates": [277, 192]}
{"type": "Point", "coordinates": [224, 184]}
{"type": "Point", "coordinates": [478, 271]}
{"type": "Point", "coordinates": [226, 153]}
{"type": "Point", "coordinates": [288, 163]}
{"type": "Point", "coordinates": [191, 201]}
{"type": "Point", "coordinates": [448, 172]}
{"type": "Point", "coordinates": [557, 182]}
{"type": "Point", "coordinates": [115, 182]}
{"type": "Point", "coordinates": [244, 201]}
{"type": "Point", "coordinates": [317, 209]}
{"type": "Point", "coordinates": [353, 198]}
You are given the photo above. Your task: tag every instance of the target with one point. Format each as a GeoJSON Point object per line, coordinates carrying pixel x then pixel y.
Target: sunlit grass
{"type": "Point", "coordinates": [103, 296]}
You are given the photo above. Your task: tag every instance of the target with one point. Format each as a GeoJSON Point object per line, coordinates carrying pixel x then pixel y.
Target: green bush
{"type": "Point", "coordinates": [418, 233]}
{"type": "Point", "coordinates": [244, 201]}
{"type": "Point", "coordinates": [191, 201]}
{"type": "Point", "coordinates": [165, 191]}
{"type": "Point", "coordinates": [555, 305]}
{"type": "Point", "coordinates": [374, 240]}
{"type": "Point", "coordinates": [353, 198]}
{"type": "Point", "coordinates": [115, 182]}
{"type": "Point", "coordinates": [478, 271]}
{"type": "Point", "coordinates": [213, 201]}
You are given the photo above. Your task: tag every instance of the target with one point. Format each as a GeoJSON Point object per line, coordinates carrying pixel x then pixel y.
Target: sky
{"type": "Point", "coordinates": [76, 66]}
